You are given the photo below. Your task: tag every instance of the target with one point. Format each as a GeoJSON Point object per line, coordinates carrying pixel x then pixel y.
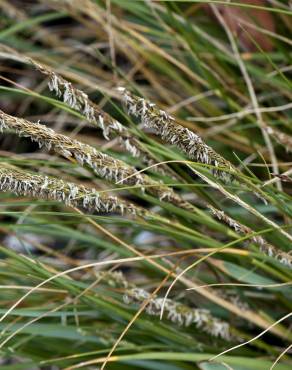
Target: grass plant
{"type": "Point", "coordinates": [145, 185]}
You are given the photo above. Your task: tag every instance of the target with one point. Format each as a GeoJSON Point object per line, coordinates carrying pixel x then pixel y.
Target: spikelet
{"type": "Point", "coordinates": [103, 165]}
{"type": "Point", "coordinates": [170, 131]}
{"type": "Point", "coordinates": [23, 183]}
{"type": "Point", "coordinates": [181, 314]}
{"type": "Point", "coordinates": [265, 247]}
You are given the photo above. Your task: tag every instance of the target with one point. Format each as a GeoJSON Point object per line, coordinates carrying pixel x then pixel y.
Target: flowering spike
{"type": "Point", "coordinates": [181, 314]}
{"type": "Point", "coordinates": [43, 187]}
{"type": "Point", "coordinates": [170, 131]}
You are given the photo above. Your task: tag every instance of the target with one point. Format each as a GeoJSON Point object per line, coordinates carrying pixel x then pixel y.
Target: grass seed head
{"type": "Point", "coordinates": [173, 133]}
{"type": "Point", "coordinates": [23, 183]}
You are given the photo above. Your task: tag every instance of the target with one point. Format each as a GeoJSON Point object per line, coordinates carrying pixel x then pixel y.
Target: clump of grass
{"type": "Point", "coordinates": [186, 260]}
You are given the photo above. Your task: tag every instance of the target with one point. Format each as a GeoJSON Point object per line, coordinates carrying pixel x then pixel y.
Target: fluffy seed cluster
{"type": "Point", "coordinates": [266, 248]}
{"type": "Point", "coordinates": [43, 187]}
{"type": "Point", "coordinates": [110, 127]}
{"type": "Point", "coordinates": [170, 131]}
{"type": "Point", "coordinates": [181, 314]}
{"type": "Point", "coordinates": [103, 165]}
{"type": "Point", "coordinates": [75, 98]}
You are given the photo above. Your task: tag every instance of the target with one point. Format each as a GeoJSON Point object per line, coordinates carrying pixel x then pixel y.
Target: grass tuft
{"type": "Point", "coordinates": [146, 226]}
